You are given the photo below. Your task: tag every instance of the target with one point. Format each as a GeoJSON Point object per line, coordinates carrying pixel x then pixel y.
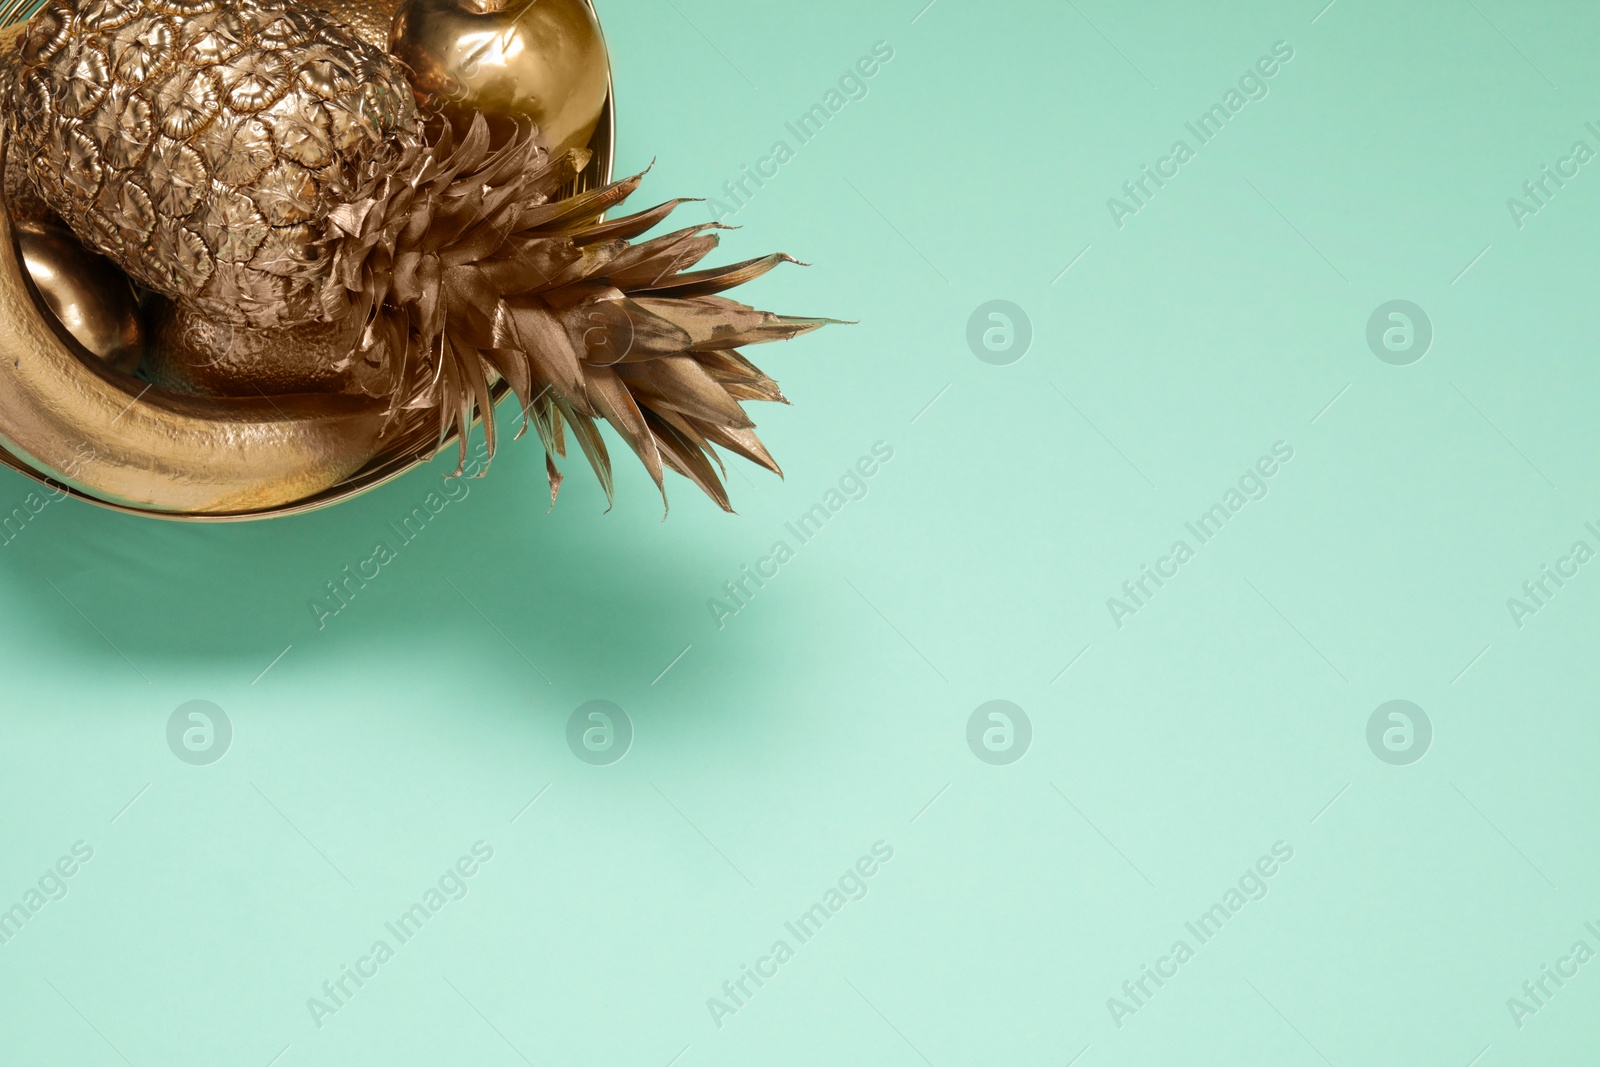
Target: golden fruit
{"type": "Point", "coordinates": [23, 201]}
{"type": "Point", "coordinates": [193, 353]}
{"type": "Point", "coordinates": [112, 436]}
{"type": "Point", "coordinates": [213, 180]}
{"type": "Point", "coordinates": [438, 258]}
{"type": "Point", "coordinates": [539, 59]}
{"type": "Point", "coordinates": [91, 298]}
{"type": "Point", "coordinates": [370, 19]}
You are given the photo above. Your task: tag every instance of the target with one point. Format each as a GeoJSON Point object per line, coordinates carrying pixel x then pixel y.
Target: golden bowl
{"type": "Point", "coordinates": [602, 145]}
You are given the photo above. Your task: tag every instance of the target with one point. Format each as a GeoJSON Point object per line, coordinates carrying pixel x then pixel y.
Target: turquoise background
{"type": "Point", "coordinates": [1229, 714]}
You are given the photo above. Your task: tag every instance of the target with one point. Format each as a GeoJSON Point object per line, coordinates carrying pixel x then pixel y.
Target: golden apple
{"type": "Point", "coordinates": [538, 59]}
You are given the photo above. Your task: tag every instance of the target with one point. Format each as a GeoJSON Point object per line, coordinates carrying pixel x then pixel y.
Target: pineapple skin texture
{"type": "Point", "coordinates": [370, 20]}
{"type": "Point", "coordinates": [201, 144]}
{"type": "Point", "coordinates": [24, 203]}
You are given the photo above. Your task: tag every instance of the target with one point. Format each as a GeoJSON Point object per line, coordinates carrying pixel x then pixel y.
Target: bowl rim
{"type": "Point", "coordinates": [602, 147]}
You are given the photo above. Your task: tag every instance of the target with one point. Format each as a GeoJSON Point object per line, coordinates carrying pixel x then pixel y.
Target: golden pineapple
{"type": "Point", "coordinates": [260, 166]}
{"type": "Point", "coordinates": [201, 144]}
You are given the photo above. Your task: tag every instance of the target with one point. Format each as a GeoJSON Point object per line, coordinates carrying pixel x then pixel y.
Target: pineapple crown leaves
{"type": "Point", "coordinates": [467, 266]}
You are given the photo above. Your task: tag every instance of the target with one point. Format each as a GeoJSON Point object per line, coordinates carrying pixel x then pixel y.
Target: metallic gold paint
{"type": "Point", "coordinates": [192, 353]}
{"type": "Point", "coordinates": [538, 59]}
{"type": "Point", "coordinates": [113, 437]}
{"type": "Point", "coordinates": [106, 438]}
{"type": "Point", "coordinates": [88, 294]}
{"type": "Point", "coordinates": [203, 152]}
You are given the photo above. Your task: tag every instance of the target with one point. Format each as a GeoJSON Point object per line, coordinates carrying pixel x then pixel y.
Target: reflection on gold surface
{"type": "Point", "coordinates": [91, 297]}
{"type": "Point", "coordinates": [541, 59]}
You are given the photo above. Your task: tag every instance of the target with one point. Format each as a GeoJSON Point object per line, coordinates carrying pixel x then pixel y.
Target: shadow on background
{"type": "Point", "coordinates": [552, 588]}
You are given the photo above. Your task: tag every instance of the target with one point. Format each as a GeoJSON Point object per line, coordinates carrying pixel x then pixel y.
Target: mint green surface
{"type": "Point", "coordinates": [1226, 716]}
